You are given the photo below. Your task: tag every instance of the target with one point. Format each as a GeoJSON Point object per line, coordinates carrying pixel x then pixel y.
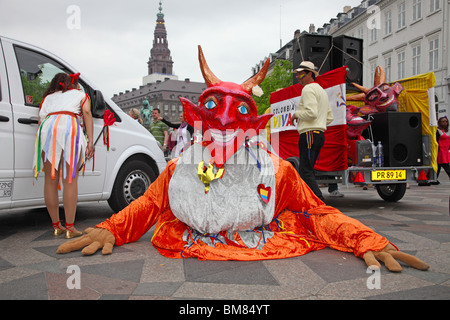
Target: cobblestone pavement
{"type": "Point", "coordinates": [419, 224]}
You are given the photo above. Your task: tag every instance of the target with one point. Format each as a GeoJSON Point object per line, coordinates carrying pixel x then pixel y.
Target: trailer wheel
{"type": "Point", "coordinates": [391, 192]}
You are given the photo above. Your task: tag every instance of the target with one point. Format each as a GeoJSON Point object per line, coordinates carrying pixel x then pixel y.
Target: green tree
{"type": "Point", "coordinates": [280, 78]}
{"type": "Point", "coordinates": [35, 88]}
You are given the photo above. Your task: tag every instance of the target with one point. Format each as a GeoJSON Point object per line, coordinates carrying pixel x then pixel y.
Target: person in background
{"type": "Point", "coordinates": [313, 115]}
{"type": "Point", "coordinates": [62, 147]}
{"type": "Point", "coordinates": [159, 129]}
{"type": "Point", "coordinates": [333, 190]}
{"type": "Point", "coordinates": [443, 139]}
{"type": "Point", "coordinates": [183, 134]}
{"type": "Point", "coordinates": [135, 114]}
{"type": "Point", "coordinates": [172, 141]}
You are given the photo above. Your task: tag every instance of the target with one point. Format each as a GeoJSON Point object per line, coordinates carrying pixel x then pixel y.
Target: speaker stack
{"type": "Point", "coordinates": [348, 51]}
{"type": "Point", "coordinates": [401, 136]}
{"type": "Point", "coordinates": [314, 48]}
{"type": "Point", "coordinates": [345, 51]}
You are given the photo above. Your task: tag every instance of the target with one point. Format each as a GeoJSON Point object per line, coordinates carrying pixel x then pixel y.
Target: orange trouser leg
{"type": "Point", "coordinates": [343, 233]}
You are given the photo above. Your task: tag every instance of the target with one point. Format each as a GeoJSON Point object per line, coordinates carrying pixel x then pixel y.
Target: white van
{"type": "Point", "coordinates": [119, 175]}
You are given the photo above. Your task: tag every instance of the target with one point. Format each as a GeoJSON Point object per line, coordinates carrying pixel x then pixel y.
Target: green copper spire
{"type": "Point", "coordinates": [160, 15]}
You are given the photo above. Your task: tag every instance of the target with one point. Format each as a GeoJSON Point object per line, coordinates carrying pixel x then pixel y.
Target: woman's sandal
{"type": "Point", "coordinates": [71, 232]}
{"type": "Point", "coordinates": [58, 229]}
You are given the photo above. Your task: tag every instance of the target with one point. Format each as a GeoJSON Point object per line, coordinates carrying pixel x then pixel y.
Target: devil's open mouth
{"type": "Point", "coordinates": [388, 102]}
{"type": "Point", "coordinates": [223, 137]}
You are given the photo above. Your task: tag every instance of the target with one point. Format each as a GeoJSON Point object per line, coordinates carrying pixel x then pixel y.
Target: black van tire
{"type": "Point", "coordinates": [134, 178]}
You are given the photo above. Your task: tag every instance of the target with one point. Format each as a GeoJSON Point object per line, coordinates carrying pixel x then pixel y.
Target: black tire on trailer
{"type": "Point", "coordinates": [391, 192]}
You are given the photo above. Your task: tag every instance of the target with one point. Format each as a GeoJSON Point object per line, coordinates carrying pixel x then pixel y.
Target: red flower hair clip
{"type": "Point", "coordinates": [74, 77]}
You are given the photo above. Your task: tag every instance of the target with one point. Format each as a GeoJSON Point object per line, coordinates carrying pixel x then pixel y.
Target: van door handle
{"type": "Point", "coordinates": [4, 119]}
{"type": "Point", "coordinates": [27, 121]}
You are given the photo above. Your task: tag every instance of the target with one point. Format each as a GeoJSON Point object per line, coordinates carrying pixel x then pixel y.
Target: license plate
{"type": "Point", "coordinates": [5, 189]}
{"type": "Point", "coordinates": [388, 175]}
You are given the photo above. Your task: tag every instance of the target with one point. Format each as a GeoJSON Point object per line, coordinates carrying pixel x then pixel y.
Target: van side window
{"type": "Point", "coordinates": [36, 72]}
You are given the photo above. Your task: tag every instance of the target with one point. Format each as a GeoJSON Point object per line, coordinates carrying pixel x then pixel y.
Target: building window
{"type": "Point", "coordinates": [373, 35]}
{"type": "Point", "coordinates": [401, 57]}
{"type": "Point", "coordinates": [434, 54]}
{"type": "Point", "coordinates": [361, 33]}
{"type": "Point", "coordinates": [417, 10]}
{"type": "Point", "coordinates": [401, 15]}
{"type": "Point", "coordinates": [388, 68]}
{"type": "Point", "coordinates": [388, 22]}
{"type": "Point", "coordinates": [435, 5]}
{"type": "Point", "coordinates": [416, 59]}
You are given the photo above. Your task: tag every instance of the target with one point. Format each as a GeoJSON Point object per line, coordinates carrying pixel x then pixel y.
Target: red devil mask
{"type": "Point", "coordinates": [381, 97]}
{"type": "Point", "coordinates": [226, 113]}
{"type": "Point", "coordinates": [384, 97]}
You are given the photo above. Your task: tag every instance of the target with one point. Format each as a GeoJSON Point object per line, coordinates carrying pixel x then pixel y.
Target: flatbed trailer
{"type": "Point", "coordinates": [390, 182]}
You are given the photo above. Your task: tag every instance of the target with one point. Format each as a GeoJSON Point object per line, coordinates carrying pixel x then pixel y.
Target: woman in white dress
{"type": "Point", "coordinates": [62, 147]}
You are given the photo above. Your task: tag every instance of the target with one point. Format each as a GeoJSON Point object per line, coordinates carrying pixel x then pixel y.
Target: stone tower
{"type": "Point", "coordinates": [160, 63]}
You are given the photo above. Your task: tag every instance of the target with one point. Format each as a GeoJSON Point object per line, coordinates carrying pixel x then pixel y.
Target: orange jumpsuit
{"type": "Point", "coordinates": [302, 223]}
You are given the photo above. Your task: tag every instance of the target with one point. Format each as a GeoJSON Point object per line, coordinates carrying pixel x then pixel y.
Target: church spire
{"type": "Point", "coordinates": [160, 61]}
{"type": "Point", "coordinates": [160, 15]}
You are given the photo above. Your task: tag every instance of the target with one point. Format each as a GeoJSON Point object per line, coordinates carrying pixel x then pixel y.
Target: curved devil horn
{"type": "Point", "coordinates": [257, 79]}
{"type": "Point", "coordinates": [208, 75]}
{"type": "Point", "coordinates": [357, 97]}
{"type": "Point", "coordinates": [361, 88]}
{"type": "Point", "coordinates": [380, 76]}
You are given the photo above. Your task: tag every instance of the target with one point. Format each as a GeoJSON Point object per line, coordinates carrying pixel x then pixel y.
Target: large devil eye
{"type": "Point", "coordinates": [210, 103]}
{"type": "Point", "coordinates": [372, 96]}
{"type": "Point", "coordinates": [243, 109]}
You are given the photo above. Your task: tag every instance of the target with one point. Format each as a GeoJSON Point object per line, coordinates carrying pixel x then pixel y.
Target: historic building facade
{"type": "Point", "coordinates": [161, 88]}
{"type": "Point", "coordinates": [405, 37]}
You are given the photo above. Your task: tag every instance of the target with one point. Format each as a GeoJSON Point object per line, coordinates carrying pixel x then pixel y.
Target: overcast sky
{"type": "Point", "coordinates": [111, 45]}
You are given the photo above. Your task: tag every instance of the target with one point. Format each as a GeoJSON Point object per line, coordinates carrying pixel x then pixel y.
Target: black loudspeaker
{"type": "Point", "coordinates": [401, 136]}
{"type": "Point", "coordinates": [348, 51]}
{"type": "Point", "coordinates": [314, 48]}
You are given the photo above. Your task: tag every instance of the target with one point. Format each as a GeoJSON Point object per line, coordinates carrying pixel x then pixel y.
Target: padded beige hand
{"type": "Point", "coordinates": [93, 240]}
{"type": "Point", "coordinates": [388, 256]}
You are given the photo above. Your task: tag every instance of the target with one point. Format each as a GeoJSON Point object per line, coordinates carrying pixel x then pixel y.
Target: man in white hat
{"type": "Point", "coordinates": [313, 115]}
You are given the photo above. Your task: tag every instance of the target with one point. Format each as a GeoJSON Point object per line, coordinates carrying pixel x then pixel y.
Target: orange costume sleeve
{"type": "Point", "coordinates": [302, 223]}
{"type": "Point", "coordinates": [130, 224]}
